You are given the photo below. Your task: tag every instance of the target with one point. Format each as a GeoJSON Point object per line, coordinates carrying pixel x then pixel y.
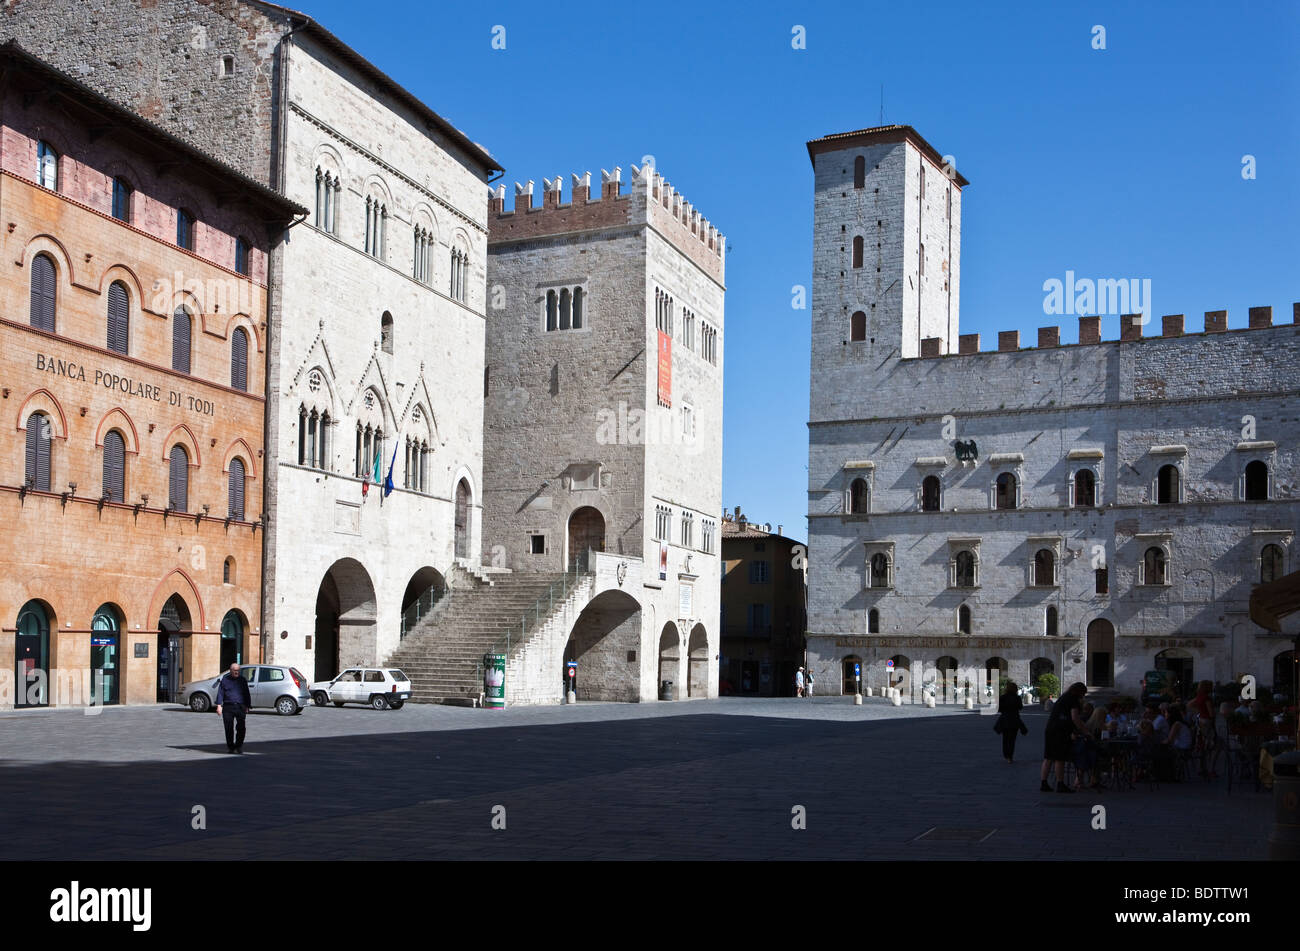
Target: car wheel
{"type": "Point", "coordinates": [199, 703]}
{"type": "Point", "coordinates": [338, 703]}
{"type": "Point", "coordinates": [395, 704]}
{"type": "Point", "coordinates": [286, 706]}
{"type": "Point", "coordinates": [379, 702]}
{"type": "Point", "coordinates": [320, 698]}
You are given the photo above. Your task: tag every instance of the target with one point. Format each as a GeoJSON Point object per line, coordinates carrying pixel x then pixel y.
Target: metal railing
{"type": "Point", "coordinates": [582, 566]}
{"type": "Point", "coordinates": [422, 606]}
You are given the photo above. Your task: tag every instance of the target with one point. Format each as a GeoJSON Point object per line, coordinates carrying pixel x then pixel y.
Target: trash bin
{"type": "Point", "coordinates": [666, 690]}
{"type": "Point", "coordinates": [1284, 840]}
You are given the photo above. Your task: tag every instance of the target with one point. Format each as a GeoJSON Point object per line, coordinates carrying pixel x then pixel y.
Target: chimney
{"type": "Point", "coordinates": [1130, 327]}
{"type": "Point", "coordinates": [1216, 321]}
{"type": "Point", "coordinates": [1171, 325]}
{"type": "Point", "coordinates": [930, 346]}
{"type": "Point", "coordinates": [780, 529]}
{"type": "Point", "coordinates": [1089, 330]}
{"type": "Point", "coordinates": [1008, 340]}
{"type": "Point", "coordinates": [1049, 337]}
{"type": "Point", "coordinates": [970, 343]}
{"type": "Point", "coordinates": [1261, 317]}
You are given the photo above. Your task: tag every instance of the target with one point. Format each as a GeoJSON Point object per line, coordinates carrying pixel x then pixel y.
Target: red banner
{"type": "Point", "coordinates": [665, 369]}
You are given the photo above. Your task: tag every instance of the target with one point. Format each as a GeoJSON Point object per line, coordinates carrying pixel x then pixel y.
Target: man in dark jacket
{"type": "Point", "coordinates": [233, 701]}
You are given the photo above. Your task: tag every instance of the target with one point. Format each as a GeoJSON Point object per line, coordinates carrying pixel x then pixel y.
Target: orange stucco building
{"type": "Point", "coordinates": [132, 410]}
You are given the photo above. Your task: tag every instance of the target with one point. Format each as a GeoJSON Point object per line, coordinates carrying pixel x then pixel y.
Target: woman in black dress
{"type": "Point", "coordinates": [1009, 723]}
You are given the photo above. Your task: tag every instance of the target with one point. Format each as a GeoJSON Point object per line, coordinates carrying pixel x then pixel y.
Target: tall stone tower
{"type": "Point", "coordinates": [886, 252]}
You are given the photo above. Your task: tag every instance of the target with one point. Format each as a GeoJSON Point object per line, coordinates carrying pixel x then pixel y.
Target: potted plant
{"type": "Point", "coordinates": [1047, 688]}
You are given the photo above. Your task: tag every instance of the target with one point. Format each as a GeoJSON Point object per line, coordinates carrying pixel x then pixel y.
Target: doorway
{"type": "Point", "coordinates": [32, 656]}
{"type": "Point", "coordinates": [105, 641]}
{"type": "Point", "coordinates": [1179, 664]}
{"type": "Point", "coordinates": [1101, 653]}
{"type": "Point", "coordinates": [586, 533]}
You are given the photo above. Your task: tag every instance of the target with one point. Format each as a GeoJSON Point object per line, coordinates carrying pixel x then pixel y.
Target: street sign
{"type": "Point", "coordinates": [857, 670]}
{"type": "Point", "coordinates": [889, 665]}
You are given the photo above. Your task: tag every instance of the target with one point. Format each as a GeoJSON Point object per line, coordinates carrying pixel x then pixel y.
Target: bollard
{"type": "Point", "coordinates": [1284, 839]}
{"type": "Point", "coordinates": [867, 691]}
{"type": "Point", "coordinates": [898, 699]}
{"type": "Point", "coordinates": [571, 697]}
{"type": "Point", "coordinates": [929, 701]}
{"type": "Point", "coordinates": [970, 703]}
{"type": "Point", "coordinates": [857, 699]}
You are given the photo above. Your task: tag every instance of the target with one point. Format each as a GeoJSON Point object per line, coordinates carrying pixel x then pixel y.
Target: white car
{"type": "Point", "coordinates": [378, 687]}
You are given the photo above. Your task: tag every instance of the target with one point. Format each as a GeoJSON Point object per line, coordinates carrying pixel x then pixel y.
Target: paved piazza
{"type": "Point", "coordinates": [698, 780]}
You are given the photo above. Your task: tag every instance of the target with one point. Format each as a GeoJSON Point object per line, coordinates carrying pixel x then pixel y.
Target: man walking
{"type": "Point", "coordinates": [808, 684]}
{"type": "Point", "coordinates": [233, 701]}
{"type": "Point", "coordinates": [798, 682]}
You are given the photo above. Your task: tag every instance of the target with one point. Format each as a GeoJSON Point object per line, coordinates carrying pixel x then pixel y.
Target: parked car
{"type": "Point", "coordinates": [283, 689]}
{"type": "Point", "coordinates": [378, 687]}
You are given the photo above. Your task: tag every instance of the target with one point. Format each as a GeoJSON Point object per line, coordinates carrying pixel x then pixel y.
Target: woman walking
{"type": "Point", "coordinates": [1009, 723]}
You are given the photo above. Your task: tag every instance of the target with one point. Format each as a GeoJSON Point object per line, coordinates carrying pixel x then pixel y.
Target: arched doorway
{"type": "Point", "coordinates": [605, 643]}
{"type": "Point", "coordinates": [1037, 667]}
{"type": "Point", "coordinates": [850, 668]}
{"type": "Point", "coordinates": [174, 627]}
{"type": "Point", "coordinates": [697, 675]}
{"type": "Point", "coordinates": [425, 589]}
{"type": "Point", "coordinates": [105, 648]}
{"type": "Point", "coordinates": [995, 668]}
{"type": "Point", "coordinates": [233, 629]}
{"type": "Point", "coordinates": [902, 675]}
{"type": "Point", "coordinates": [586, 532]}
{"type": "Point", "coordinates": [462, 518]}
{"type": "Point", "coordinates": [670, 643]}
{"type": "Point", "coordinates": [946, 675]}
{"type": "Point", "coordinates": [1179, 663]}
{"type": "Point", "coordinates": [1101, 653]}
{"type": "Point", "coordinates": [32, 655]}
{"type": "Point", "coordinates": [346, 629]}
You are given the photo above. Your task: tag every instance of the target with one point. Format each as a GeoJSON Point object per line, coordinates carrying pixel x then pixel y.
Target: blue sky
{"type": "Point", "coordinates": [1119, 163]}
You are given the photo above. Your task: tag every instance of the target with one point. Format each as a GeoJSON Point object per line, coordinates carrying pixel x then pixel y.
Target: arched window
{"type": "Point", "coordinates": [1154, 567]}
{"type": "Point", "coordinates": [1085, 489]}
{"type": "Point", "coordinates": [577, 308]}
{"type": "Point", "coordinates": [38, 452]}
{"type": "Point", "coordinates": [376, 238]}
{"type": "Point", "coordinates": [930, 494]}
{"type": "Point", "coordinates": [239, 360]}
{"type": "Point", "coordinates": [879, 570]}
{"type": "Point", "coordinates": [963, 619]}
{"type": "Point", "coordinates": [1167, 488]}
{"type": "Point", "coordinates": [857, 251]}
{"type": "Point", "coordinates": [1005, 496]}
{"type": "Point", "coordinates": [241, 255]}
{"type": "Point", "coordinates": [1256, 481]}
{"type": "Point", "coordinates": [1050, 626]}
{"type": "Point", "coordinates": [114, 467]}
{"type": "Point", "coordinates": [328, 187]}
{"type": "Point", "coordinates": [184, 229]}
{"type": "Point", "coordinates": [1270, 563]}
{"type": "Point", "coordinates": [43, 283]}
{"type": "Point", "coordinates": [122, 199]}
{"type": "Point", "coordinates": [858, 326]}
{"type": "Point", "coordinates": [552, 310]}
{"type": "Point", "coordinates": [181, 341]}
{"type": "Point", "coordinates": [119, 317]}
{"type": "Point", "coordinates": [873, 621]}
{"type": "Point", "coordinates": [566, 309]}
{"type": "Point", "coordinates": [386, 332]}
{"type": "Point", "coordinates": [178, 479]}
{"type": "Point", "coordinates": [965, 569]}
{"type": "Point", "coordinates": [1044, 567]}
{"type": "Point", "coordinates": [47, 166]}
{"type": "Point", "coordinates": [859, 171]}
{"type": "Point", "coordinates": [858, 501]}
{"type": "Point", "coordinates": [235, 494]}
{"type": "Point", "coordinates": [459, 271]}
{"type": "Point", "coordinates": [313, 433]}
{"type": "Point", "coordinates": [228, 571]}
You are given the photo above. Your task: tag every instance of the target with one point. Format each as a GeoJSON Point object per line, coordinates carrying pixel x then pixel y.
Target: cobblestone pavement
{"type": "Point", "coordinates": [701, 779]}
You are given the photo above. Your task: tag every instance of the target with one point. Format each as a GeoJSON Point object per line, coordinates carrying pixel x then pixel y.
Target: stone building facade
{"type": "Point", "coordinates": [376, 297]}
{"type": "Point", "coordinates": [603, 421]}
{"type": "Point", "coordinates": [132, 468]}
{"type": "Point", "coordinates": [1095, 510]}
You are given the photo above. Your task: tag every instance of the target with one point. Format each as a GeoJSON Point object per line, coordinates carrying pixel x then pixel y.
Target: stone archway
{"type": "Point", "coordinates": [697, 660]}
{"type": "Point", "coordinates": [670, 645]}
{"type": "Point", "coordinates": [174, 659]}
{"type": "Point", "coordinates": [425, 589]}
{"type": "Point", "coordinates": [1101, 653]}
{"type": "Point", "coordinates": [346, 630]}
{"type": "Point", "coordinates": [605, 643]}
{"type": "Point", "coordinates": [586, 533]}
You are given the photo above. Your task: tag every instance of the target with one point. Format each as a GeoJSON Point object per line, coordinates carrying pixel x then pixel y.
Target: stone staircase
{"type": "Point", "coordinates": [442, 652]}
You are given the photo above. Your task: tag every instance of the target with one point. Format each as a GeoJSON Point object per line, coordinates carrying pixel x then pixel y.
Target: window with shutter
{"type": "Point", "coordinates": [43, 293]}
{"type": "Point", "coordinates": [178, 479]}
{"type": "Point", "coordinates": [237, 489]}
{"type": "Point", "coordinates": [184, 229]}
{"type": "Point", "coordinates": [119, 316]}
{"type": "Point", "coordinates": [121, 199]}
{"type": "Point", "coordinates": [114, 467]}
{"type": "Point", "coordinates": [38, 452]}
{"type": "Point", "coordinates": [181, 341]}
{"type": "Point", "coordinates": [239, 359]}
{"type": "Point", "coordinates": [241, 255]}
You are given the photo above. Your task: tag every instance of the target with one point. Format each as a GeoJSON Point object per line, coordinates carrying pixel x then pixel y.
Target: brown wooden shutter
{"type": "Point", "coordinates": [38, 451]}
{"type": "Point", "coordinates": [43, 293]}
{"type": "Point", "coordinates": [181, 341]}
{"type": "Point", "coordinates": [237, 489]}
{"type": "Point", "coordinates": [115, 466]}
{"type": "Point", "coordinates": [178, 478]}
{"type": "Point", "coordinates": [119, 316]}
{"type": "Point", "coordinates": [239, 359]}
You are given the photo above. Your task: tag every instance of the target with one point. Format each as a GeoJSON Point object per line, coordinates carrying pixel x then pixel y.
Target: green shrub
{"type": "Point", "coordinates": [1047, 685]}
